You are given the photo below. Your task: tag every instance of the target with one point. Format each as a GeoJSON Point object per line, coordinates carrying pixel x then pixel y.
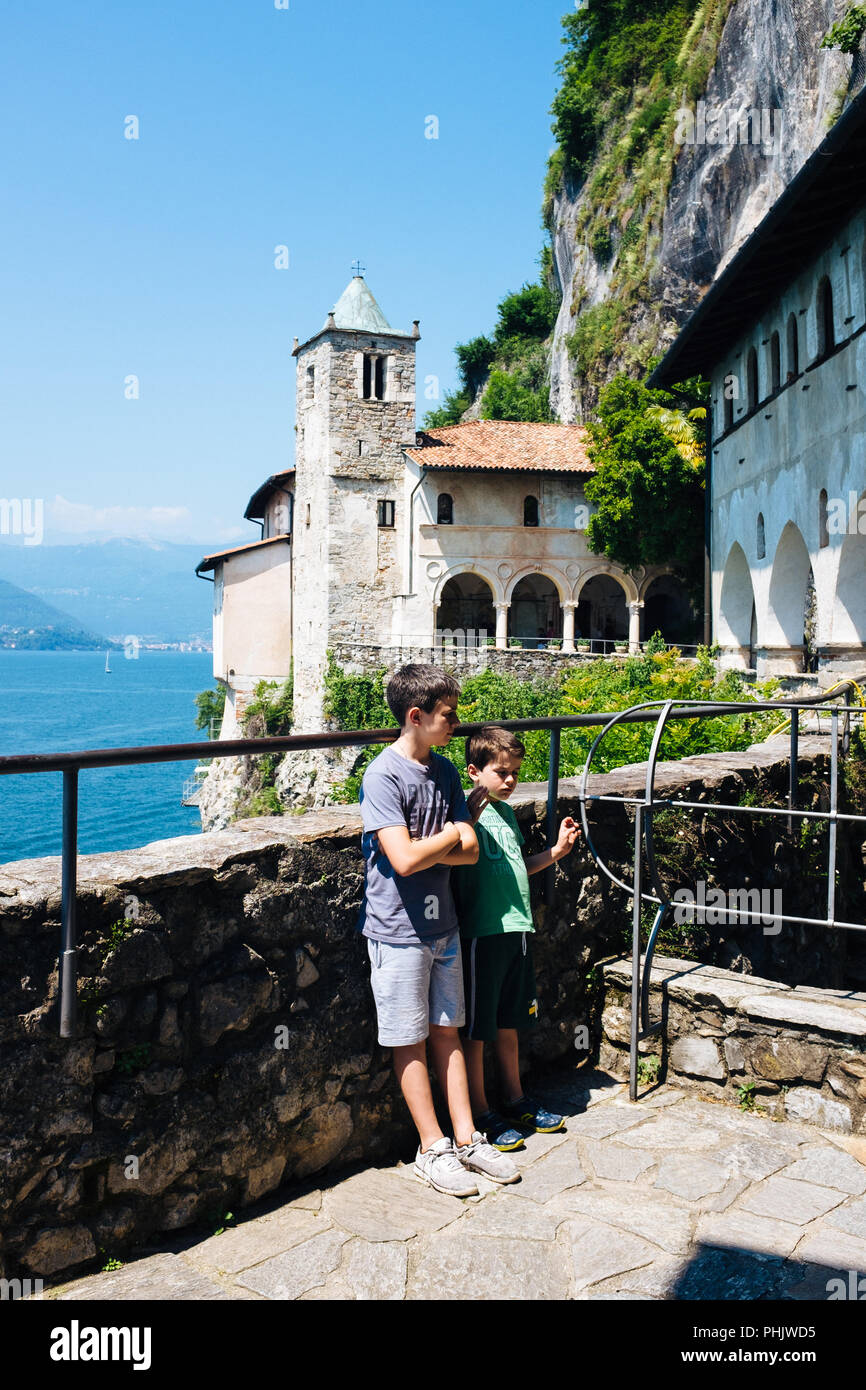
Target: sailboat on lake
{"type": "Point", "coordinates": [107, 667]}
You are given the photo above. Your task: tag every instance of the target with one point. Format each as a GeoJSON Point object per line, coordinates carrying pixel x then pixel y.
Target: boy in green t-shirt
{"type": "Point", "coordinates": [492, 898]}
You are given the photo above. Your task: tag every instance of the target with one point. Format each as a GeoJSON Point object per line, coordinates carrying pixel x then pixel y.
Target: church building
{"type": "Point", "coordinates": [385, 543]}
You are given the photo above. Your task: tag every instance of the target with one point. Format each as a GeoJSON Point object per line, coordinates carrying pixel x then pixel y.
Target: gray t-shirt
{"type": "Point", "coordinates": [396, 791]}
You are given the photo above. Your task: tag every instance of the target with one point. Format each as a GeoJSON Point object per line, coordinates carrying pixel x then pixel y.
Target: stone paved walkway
{"type": "Point", "coordinates": [672, 1198]}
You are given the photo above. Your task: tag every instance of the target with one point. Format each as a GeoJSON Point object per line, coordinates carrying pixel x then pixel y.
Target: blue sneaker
{"type": "Point", "coordinates": [499, 1132]}
{"type": "Point", "coordinates": [529, 1114]}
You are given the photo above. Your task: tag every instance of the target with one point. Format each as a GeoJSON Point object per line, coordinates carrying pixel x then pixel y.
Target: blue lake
{"type": "Point", "coordinates": [64, 701]}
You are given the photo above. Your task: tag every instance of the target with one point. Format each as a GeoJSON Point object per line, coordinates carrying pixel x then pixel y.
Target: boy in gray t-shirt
{"type": "Point", "coordinates": [416, 827]}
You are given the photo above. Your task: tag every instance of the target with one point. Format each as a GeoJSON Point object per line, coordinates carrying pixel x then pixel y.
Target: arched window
{"type": "Point", "coordinates": [729, 391]}
{"type": "Point", "coordinates": [445, 509]}
{"type": "Point", "coordinates": [752, 378]}
{"type": "Point", "coordinates": [530, 511]}
{"type": "Point", "coordinates": [793, 348]}
{"type": "Point", "coordinates": [761, 541]}
{"type": "Point", "coordinates": [826, 335]}
{"type": "Point", "coordinates": [823, 532]}
{"type": "Point", "coordinates": [775, 363]}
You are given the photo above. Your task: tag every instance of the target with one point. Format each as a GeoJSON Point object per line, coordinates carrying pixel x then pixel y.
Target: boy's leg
{"type": "Point", "coordinates": [400, 978]}
{"type": "Point", "coordinates": [410, 1066]}
{"type": "Point", "coordinates": [447, 1014]}
{"type": "Point", "coordinates": [450, 1066]}
{"type": "Point", "coordinates": [508, 1057]}
{"type": "Point", "coordinates": [474, 1052]}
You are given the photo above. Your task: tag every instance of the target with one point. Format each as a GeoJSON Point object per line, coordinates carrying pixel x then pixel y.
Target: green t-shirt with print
{"type": "Point", "coordinates": [492, 896]}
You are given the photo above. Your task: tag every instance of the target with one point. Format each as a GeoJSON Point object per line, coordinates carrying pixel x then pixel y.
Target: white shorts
{"type": "Point", "coordinates": [416, 984]}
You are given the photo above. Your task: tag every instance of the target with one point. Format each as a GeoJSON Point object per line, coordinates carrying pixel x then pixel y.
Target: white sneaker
{"type": "Point", "coordinates": [481, 1157]}
{"type": "Point", "coordinates": [441, 1168]}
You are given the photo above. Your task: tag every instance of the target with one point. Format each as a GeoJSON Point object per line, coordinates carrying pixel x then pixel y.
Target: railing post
{"type": "Point", "coordinates": [793, 779]}
{"type": "Point", "coordinates": [69, 881]}
{"type": "Point", "coordinates": [635, 954]}
{"type": "Point", "coordinates": [551, 828]}
{"type": "Point", "coordinates": [834, 809]}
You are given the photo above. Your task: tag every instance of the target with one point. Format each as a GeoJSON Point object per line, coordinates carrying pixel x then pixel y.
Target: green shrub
{"type": "Point", "coordinates": [848, 33]}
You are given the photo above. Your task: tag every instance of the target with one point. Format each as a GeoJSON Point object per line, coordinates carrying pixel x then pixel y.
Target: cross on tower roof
{"type": "Point", "coordinates": [358, 268]}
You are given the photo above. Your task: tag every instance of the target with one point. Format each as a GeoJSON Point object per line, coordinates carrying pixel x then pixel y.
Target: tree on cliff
{"type": "Point", "coordinates": [648, 489]}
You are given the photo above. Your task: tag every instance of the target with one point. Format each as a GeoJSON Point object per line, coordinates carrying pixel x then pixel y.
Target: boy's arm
{"type": "Point", "coordinates": [467, 851]}
{"type": "Point", "coordinates": [407, 856]}
{"type": "Point", "coordinates": [568, 833]}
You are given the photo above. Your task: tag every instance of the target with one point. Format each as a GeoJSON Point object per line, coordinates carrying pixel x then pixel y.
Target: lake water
{"type": "Point", "coordinates": [64, 701]}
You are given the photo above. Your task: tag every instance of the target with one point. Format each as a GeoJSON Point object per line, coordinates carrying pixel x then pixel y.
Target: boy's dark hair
{"type": "Point", "coordinates": [482, 747]}
{"type": "Point", "coordinates": [418, 685]}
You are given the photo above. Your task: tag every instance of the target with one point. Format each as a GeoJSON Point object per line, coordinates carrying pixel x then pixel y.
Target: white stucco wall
{"type": "Point", "coordinates": [808, 437]}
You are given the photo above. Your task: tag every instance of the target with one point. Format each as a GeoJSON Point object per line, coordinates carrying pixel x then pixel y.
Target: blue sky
{"type": "Point", "coordinates": [154, 258]}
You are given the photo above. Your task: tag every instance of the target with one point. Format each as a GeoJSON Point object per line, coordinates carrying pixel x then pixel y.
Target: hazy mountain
{"type": "Point", "coordinates": [118, 587]}
{"type": "Point", "coordinates": [27, 623]}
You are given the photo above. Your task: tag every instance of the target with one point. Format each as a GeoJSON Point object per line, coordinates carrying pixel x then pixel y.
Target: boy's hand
{"type": "Point", "coordinates": [568, 833]}
{"type": "Point", "coordinates": [476, 801]}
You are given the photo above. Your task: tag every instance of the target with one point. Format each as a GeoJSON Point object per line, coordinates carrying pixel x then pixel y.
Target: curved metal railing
{"type": "Point", "coordinates": [644, 846]}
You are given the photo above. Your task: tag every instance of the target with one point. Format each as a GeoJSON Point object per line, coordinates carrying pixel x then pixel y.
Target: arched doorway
{"type": "Point", "coordinates": [535, 614]}
{"type": "Point", "coordinates": [602, 611]}
{"type": "Point", "coordinates": [668, 609]}
{"type": "Point", "coordinates": [737, 634]}
{"type": "Point", "coordinates": [789, 591]}
{"type": "Point", "coordinates": [466, 607]}
{"type": "Point", "coordinates": [849, 608]}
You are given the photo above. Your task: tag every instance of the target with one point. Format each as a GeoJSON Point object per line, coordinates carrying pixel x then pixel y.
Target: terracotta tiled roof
{"type": "Point", "coordinates": [210, 561]}
{"type": "Point", "coordinates": [504, 444]}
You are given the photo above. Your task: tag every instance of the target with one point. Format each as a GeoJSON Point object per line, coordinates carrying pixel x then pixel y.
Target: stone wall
{"type": "Point", "coordinates": [226, 1039]}
{"type": "Point", "coordinates": [464, 661]}
{"type": "Point", "coordinates": [800, 1052]}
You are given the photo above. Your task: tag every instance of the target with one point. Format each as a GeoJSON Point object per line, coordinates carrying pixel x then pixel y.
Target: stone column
{"type": "Point", "coordinates": [501, 626]}
{"type": "Point", "coordinates": [568, 627]}
{"type": "Point", "coordinates": [634, 616]}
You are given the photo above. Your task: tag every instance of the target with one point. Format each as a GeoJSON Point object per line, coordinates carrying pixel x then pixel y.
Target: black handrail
{"type": "Point", "coordinates": [70, 763]}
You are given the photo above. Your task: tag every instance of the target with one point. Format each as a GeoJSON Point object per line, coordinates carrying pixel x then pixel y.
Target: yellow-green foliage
{"type": "Point", "coordinates": [601, 685]}
{"type": "Point", "coordinates": [629, 66]}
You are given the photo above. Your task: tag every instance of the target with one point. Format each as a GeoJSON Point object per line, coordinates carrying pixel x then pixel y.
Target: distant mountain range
{"type": "Point", "coordinates": [29, 624]}
{"type": "Point", "coordinates": [108, 589]}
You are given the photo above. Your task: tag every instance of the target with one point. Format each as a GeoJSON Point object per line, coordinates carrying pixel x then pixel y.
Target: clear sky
{"type": "Point", "coordinates": [154, 257]}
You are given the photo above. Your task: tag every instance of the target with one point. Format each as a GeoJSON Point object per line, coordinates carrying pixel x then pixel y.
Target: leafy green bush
{"type": "Point", "coordinates": [210, 705]}
{"type": "Point", "coordinates": [508, 398]}
{"type": "Point", "coordinates": [474, 359]}
{"type": "Point", "coordinates": [649, 499]}
{"type": "Point", "coordinates": [612, 47]}
{"type": "Point", "coordinates": [597, 686]}
{"type": "Point", "coordinates": [596, 334]}
{"type": "Point", "coordinates": [847, 34]}
{"type": "Point", "coordinates": [529, 313]}
{"type": "Point", "coordinates": [602, 243]}
{"type": "Point", "coordinates": [273, 705]}
{"type": "Point", "coordinates": [450, 412]}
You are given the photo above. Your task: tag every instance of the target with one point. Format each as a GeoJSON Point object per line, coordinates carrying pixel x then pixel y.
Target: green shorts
{"type": "Point", "coordinates": [499, 981]}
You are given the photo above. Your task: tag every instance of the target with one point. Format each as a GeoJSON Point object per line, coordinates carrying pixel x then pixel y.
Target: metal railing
{"type": "Point", "coordinates": [70, 764]}
{"type": "Point", "coordinates": [644, 849]}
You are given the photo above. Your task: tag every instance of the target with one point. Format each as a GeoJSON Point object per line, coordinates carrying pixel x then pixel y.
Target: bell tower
{"type": "Point", "coordinates": [355, 416]}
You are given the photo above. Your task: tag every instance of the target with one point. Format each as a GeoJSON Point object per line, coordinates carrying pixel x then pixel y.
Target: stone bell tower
{"type": "Point", "coordinates": [355, 416]}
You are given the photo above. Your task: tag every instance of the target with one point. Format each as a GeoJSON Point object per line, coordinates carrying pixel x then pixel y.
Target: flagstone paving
{"type": "Point", "coordinates": [671, 1198]}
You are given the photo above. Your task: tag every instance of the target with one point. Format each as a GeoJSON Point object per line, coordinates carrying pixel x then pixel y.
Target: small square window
{"type": "Point", "coordinates": [385, 512]}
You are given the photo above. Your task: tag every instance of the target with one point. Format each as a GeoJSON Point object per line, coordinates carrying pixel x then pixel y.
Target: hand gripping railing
{"type": "Point", "coordinates": [644, 847]}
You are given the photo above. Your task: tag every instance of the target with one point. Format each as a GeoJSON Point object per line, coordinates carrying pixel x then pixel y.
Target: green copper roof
{"type": "Point", "coordinates": [356, 308]}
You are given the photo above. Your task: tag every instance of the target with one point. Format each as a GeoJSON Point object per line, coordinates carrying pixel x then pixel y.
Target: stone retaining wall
{"type": "Point", "coordinates": [799, 1052]}
{"type": "Point", "coordinates": [226, 1039]}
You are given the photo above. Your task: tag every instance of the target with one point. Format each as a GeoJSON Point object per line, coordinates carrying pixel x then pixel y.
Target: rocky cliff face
{"type": "Point", "coordinates": [769, 58]}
